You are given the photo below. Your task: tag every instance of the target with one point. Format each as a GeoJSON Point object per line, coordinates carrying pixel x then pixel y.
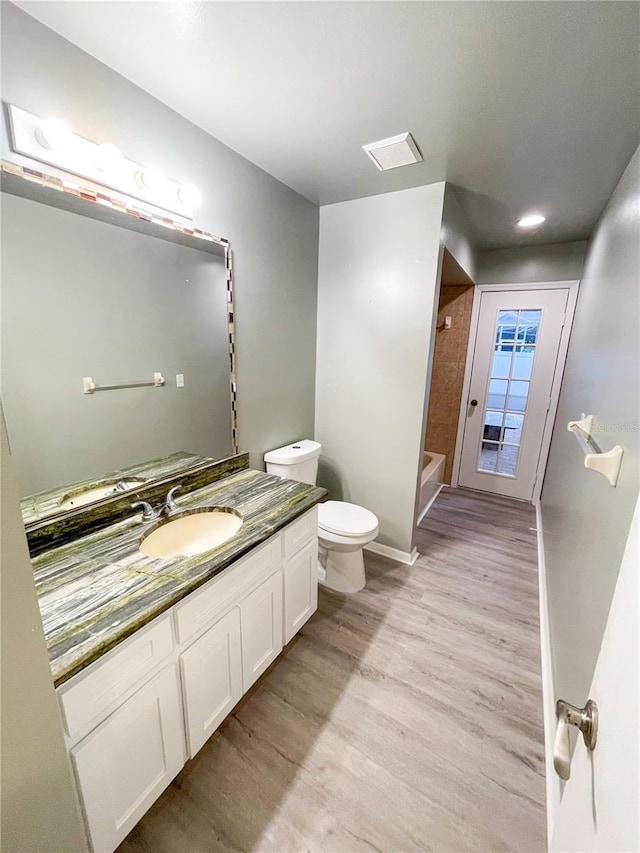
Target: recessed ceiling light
{"type": "Point", "coordinates": [396, 151]}
{"type": "Point", "coordinates": [531, 220]}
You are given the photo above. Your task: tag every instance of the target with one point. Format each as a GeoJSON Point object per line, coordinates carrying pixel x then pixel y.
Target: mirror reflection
{"type": "Point", "coordinates": [85, 298]}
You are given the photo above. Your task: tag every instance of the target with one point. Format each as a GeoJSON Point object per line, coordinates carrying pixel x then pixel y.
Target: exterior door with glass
{"type": "Point", "coordinates": [514, 364]}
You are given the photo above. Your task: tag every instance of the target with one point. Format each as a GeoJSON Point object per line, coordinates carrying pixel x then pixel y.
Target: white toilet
{"type": "Point", "coordinates": [343, 528]}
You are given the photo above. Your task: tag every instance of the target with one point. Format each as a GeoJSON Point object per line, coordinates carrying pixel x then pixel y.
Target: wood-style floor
{"type": "Point", "coordinates": [407, 717]}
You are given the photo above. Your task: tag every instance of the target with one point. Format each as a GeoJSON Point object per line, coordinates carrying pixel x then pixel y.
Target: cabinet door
{"type": "Point", "coordinates": [300, 589]}
{"type": "Point", "coordinates": [261, 628]}
{"type": "Point", "coordinates": [126, 763]}
{"type": "Point", "coordinates": [211, 679]}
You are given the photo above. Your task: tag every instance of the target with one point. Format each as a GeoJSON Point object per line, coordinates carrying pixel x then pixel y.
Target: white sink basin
{"type": "Point", "coordinates": [192, 534]}
{"type": "Point", "coordinates": [96, 493]}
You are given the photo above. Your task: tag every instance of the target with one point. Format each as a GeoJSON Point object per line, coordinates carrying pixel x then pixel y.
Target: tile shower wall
{"type": "Point", "coordinates": [448, 371]}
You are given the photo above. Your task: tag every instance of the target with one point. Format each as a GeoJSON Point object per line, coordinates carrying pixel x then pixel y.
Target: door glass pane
{"type": "Point", "coordinates": [506, 330]}
{"type": "Point", "coordinates": [514, 350]}
{"type": "Point", "coordinates": [497, 393]}
{"type": "Point", "coordinates": [501, 364]}
{"type": "Point", "coordinates": [512, 428]}
{"type": "Point", "coordinates": [507, 460]}
{"type": "Point", "coordinates": [488, 459]}
{"type": "Point", "coordinates": [492, 427]}
{"type": "Point", "coordinates": [518, 393]}
{"type": "Point", "coordinates": [528, 325]}
{"type": "Point", "coordinates": [522, 363]}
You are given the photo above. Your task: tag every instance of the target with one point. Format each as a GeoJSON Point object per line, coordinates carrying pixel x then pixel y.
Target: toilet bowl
{"type": "Point", "coordinates": [343, 528]}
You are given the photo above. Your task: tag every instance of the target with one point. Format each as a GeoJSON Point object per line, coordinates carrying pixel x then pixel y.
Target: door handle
{"type": "Point", "coordinates": [586, 720]}
{"type": "Point", "coordinates": [473, 403]}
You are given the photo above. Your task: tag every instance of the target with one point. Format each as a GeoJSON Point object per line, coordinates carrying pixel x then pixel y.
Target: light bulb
{"type": "Point", "coordinates": [531, 220]}
{"type": "Point", "coordinates": [108, 157]}
{"type": "Point", "coordinates": [53, 133]}
{"type": "Point", "coordinates": [189, 195]}
{"type": "Point", "coordinates": [150, 179]}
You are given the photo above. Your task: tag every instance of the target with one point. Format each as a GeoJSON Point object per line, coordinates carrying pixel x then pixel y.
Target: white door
{"type": "Point", "coordinates": [211, 679]}
{"type": "Point", "coordinates": [600, 808]}
{"type": "Point", "coordinates": [300, 589]}
{"type": "Point", "coordinates": [514, 364]}
{"type": "Point", "coordinates": [261, 628]}
{"type": "Point", "coordinates": [124, 765]}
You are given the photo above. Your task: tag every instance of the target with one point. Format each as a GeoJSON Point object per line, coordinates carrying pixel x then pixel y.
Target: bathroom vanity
{"type": "Point", "coordinates": [149, 656]}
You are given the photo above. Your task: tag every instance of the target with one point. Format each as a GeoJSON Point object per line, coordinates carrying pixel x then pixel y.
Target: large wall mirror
{"type": "Point", "coordinates": [82, 297]}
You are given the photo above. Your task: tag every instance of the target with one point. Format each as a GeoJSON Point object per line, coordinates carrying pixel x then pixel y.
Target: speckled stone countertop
{"type": "Point", "coordinates": [99, 589]}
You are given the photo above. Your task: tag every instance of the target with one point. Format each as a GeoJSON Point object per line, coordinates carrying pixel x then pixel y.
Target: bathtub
{"type": "Point", "coordinates": [430, 481]}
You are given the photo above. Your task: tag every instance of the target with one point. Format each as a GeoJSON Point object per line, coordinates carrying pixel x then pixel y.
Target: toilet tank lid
{"type": "Point", "coordinates": [299, 451]}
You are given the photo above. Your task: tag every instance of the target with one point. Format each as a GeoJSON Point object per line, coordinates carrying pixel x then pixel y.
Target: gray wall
{"type": "Point", "coordinates": [526, 264]}
{"type": "Point", "coordinates": [377, 291]}
{"type": "Point", "coordinates": [274, 234]}
{"type": "Point", "coordinates": [39, 813]}
{"type": "Point", "coordinates": [585, 520]}
{"type": "Point", "coordinates": [273, 231]}
{"type": "Point", "coordinates": [85, 298]}
{"type": "Point", "coordinates": [455, 234]}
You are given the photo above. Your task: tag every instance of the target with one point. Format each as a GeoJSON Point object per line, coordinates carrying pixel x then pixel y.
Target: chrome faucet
{"type": "Point", "coordinates": [169, 504]}
{"type": "Point", "coordinates": [165, 508]}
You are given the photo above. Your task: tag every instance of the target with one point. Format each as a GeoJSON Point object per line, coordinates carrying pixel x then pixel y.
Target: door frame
{"type": "Point", "coordinates": [572, 286]}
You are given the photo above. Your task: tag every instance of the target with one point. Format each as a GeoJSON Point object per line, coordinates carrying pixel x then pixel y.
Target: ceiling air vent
{"type": "Point", "coordinates": [396, 151]}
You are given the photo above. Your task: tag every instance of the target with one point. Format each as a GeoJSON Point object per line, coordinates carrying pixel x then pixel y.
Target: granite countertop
{"type": "Point", "coordinates": [43, 504]}
{"type": "Point", "coordinates": [99, 589]}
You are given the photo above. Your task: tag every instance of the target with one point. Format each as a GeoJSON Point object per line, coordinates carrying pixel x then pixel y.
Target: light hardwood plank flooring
{"type": "Point", "coordinates": [407, 717]}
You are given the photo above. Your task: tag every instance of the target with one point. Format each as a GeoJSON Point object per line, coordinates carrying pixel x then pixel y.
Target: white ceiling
{"type": "Point", "coordinates": [521, 105]}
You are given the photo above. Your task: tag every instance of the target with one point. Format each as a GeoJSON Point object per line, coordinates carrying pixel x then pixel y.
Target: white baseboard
{"type": "Point", "coordinates": [393, 553]}
{"type": "Point", "coordinates": [553, 784]}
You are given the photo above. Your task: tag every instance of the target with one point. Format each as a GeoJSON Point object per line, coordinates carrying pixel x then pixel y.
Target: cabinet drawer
{"type": "Point", "coordinates": [97, 691]}
{"type": "Point", "coordinates": [209, 602]}
{"type": "Point", "coordinates": [301, 532]}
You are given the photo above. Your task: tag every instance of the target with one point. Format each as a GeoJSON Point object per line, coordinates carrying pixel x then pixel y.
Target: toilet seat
{"type": "Point", "coordinates": [345, 519]}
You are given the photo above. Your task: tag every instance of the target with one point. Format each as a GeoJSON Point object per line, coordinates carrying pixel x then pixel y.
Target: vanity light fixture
{"type": "Point", "coordinates": [531, 220]}
{"type": "Point", "coordinates": [51, 142]}
{"type": "Point", "coordinates": [53, 134]}
{"type": "Point", "coordinates": [189, 195]}
{"type": "Point", "coordinates": [150, 179]}
{"type": "Point", "coordinates": [108, 157]}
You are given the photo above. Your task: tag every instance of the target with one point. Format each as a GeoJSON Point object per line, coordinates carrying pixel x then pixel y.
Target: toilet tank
{"type": "Point", "coordinates": [297, 461]}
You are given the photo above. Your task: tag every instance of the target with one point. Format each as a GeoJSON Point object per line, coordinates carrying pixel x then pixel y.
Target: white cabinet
{"type": "Point", "coordinates": [129, 715]}
{"type": "Point", "coordinates": [126, 763]}
{"type": "Point", "coordinates": [300, 589]}
{"type": "Point", "coordinates": [261, 627]}
{"type": "Point", "coordinates": [211, 679]}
